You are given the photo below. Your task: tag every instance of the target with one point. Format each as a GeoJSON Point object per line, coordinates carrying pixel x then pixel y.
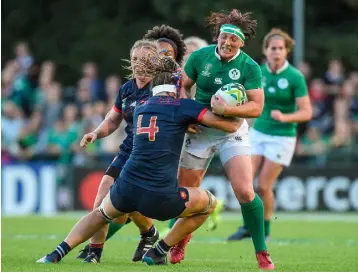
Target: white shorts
{"type": "Point", "coordinates": [279, 149]}
{"type": "Point", "coordinates": [200, 148]}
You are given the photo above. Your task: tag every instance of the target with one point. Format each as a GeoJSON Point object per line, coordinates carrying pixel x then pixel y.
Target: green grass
{"type": "Point", "coordinates": [300, 242]}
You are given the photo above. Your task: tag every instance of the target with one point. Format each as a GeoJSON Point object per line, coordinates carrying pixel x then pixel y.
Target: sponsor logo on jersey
{"type": "Point", "coordinates": [234, 74]}
{"type": "Point", "coordinates": [218, 81]}
{"type": "Point", "coordinates": [282, 83]}
{"type": "Point", "coordinates": [206, 72]}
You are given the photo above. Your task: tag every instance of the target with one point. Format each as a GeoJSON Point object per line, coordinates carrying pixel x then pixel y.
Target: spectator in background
{"type": "Point", "coordinates": [305, 69]}
{"type": "Point", "coordinates": [8, 76]}
{"type": "Point", "coordinates": [83, 94]}
{"type": "Point", "coordinates": [11, 125]}
{"type": "Point", "coordinates": [90, 73]}
{"type": "Point", "coordinates": [110, 144]}
{"type": "Point", "coordinates": [334, 80]}
{"type": "Point", "coordinates": [342, 130]}
{"type": "Point", "coordinates": [313, 143]}
{"type": "Point", "coordinates": [23, 57]}
{"type": "Point", "coordinates": [353, 77]}
{"type": "Point", "coordinates": [318, 94]}
{"type": "Point", "coordinates": [45, 82]}
{"type": "Point", "coordinates": [112, 85]}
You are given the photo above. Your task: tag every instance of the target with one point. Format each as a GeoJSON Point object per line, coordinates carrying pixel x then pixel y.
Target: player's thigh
{"type": "Point", "coordinates": [108, 210]}
{"type": "Point", "coordinates": [106, 183]}
{"type": "Point", "coordinates": [270, 171]}
{"type": "Point", "coordinates": [122, 196]}
{"type": "Point", "coordinates": [279, 149]}
{"type": "Point", "coordinates": [195, 158]}
{"type": "Point", "coordinates": [257, 161]}
{"type": "Point", "coordinates": [111, 174]}
{"type": "Point", "coordinates": [239, 171]}
{"type": "Point", "coordinates": [199, 202]}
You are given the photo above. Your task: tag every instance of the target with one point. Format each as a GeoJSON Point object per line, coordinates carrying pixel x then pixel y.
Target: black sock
{"type": "Point", "coordinates": [61, 250]}
{"type": "Point", "coordinates": [161, 248]}
{"type": "Point", "coordinates": [150, 232]}
{"type": "Point", "coordinates": [97, 249]}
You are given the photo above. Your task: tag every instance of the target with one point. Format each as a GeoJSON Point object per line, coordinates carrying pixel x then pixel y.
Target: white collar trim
{"type": "Point", "coordinates": [284, 67]}
{"type": "Point", "coordinates": [219, 57]}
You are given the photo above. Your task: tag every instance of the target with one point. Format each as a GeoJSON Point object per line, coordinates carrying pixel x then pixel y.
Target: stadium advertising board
{"type": "Point", "coordinates": [298, 189]}
{"type": "Point", "coordinates": [28, 188]}
{"type": "Point", "coordinates": [302, 189]}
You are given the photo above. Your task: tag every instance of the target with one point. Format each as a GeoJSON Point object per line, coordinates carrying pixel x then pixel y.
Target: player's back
{"type": "Point", "coordinates": [160, 125]}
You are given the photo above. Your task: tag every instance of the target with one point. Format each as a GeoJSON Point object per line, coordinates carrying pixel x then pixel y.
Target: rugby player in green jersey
{"type": "Point", "coordinates": [210, 68]}
{"type": "Point", "coordinates": [273, 136]}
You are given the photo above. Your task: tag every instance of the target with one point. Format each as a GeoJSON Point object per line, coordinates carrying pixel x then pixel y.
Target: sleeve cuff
{"type": "Point", "coordinates": [116, 109]}
{"type": "Point", "coordinates": [202, 114]}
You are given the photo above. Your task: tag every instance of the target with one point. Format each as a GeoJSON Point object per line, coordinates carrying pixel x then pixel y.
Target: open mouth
{"type": "Point", "coordinates": [226, 50]}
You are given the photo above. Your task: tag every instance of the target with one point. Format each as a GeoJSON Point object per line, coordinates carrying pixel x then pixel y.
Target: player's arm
{"type": "Point", "coordinates": [304, 108]}
{"type": "Point", "coordinates": [224, 124]}
{"type": "Point", "coordinates": [303, 113]}
{"type": "Point", "coordinates": [251, 109]}
{"type": "Point", "coordinates": [255, 96]}
{"type": "Point", "coordinates": [186, 86]}
{"type": "Point", "coordinates": [111, 123]}
{"type": "Point", "coordinates": [189, 76]}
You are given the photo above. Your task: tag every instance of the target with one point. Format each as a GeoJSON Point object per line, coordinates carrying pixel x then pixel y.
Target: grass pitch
{"type": "Point", "coordinates": [299, 242]}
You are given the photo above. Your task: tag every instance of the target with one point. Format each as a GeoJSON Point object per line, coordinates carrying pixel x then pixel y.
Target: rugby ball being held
{"type": "Point", "coordinates": [233, 94]}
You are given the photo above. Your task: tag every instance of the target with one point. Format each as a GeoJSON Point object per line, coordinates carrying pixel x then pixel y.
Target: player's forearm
{"type": "Point", "coordinates": [250, 109]}
{"type": "Point", "coordinates": [299, 116]}
{"type": "Point", "coordinates": [230, 126]}
{"type": "Point", "coordinates": [106, 128]}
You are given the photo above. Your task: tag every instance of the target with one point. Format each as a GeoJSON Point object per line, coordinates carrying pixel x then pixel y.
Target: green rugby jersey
{"type": "Point", "coordinates": [281, 90]}
{"type": "Point", "coordinates": [205, 67]}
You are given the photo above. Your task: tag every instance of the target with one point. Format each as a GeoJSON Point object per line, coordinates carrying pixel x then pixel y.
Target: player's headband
{"type": "Point", "coordinates": [170, 88]}
{"type": "Point", "coordinates": [232, 29]}
{"type": "Point", "coordinates": [171, 42]}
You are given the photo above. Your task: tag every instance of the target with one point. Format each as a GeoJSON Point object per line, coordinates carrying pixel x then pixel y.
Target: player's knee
{"type": "Point", "coordinates": [264, 190]}
{"type": "Point", "coordinates": [189, 178]}
{"type": "Point", "coordinates": [245, 195]}
{"type": "Point", "coordinates": [106, 182]}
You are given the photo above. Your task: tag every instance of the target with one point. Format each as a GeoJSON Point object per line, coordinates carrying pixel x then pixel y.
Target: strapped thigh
{"type": "Point", "coordinates": [104, 214]}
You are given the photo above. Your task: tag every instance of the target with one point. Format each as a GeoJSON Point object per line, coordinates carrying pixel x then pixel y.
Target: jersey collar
{"type": "Point", "coordinates": [283, 68]}
{"type": "Point", "coordinates": [219, 57]}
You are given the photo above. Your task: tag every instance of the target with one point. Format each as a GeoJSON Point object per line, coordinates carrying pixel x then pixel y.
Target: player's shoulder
{"type": "Point", "coordinates": [127, 87]}
{"type": "Point", "coordinates": [205, 51]}
{"type": "Point", "coordinates": [244, 57]}
{"type": "Point", "coordinates": [294, 72]}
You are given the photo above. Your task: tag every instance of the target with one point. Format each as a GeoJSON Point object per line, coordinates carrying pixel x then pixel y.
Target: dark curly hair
{"type": "Point", "coordinates": [173, 35]}
{"type": "Point", "coordinates": [233, 17]}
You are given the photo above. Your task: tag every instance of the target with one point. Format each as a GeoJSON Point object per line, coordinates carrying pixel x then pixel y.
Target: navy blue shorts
{"type": "Point", "coordinates": [117, 164]}
{"type": "Point", "coordinates": [127, 198]}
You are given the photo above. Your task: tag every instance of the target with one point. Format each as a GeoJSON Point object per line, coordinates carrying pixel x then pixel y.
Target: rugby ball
{"type": "Point", "coordinates": [233, 94]}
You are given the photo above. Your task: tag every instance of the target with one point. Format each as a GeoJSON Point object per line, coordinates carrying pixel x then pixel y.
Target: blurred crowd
{"type": "Point", "coordinates": [334, 126]}
{"type": "Point", "coordinates": [43, 119]}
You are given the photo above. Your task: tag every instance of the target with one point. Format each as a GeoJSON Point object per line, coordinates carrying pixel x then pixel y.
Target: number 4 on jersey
{"type": "Point", "coordinates": [151, 130]}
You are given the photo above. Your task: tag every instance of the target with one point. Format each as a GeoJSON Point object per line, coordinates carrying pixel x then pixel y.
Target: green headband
{"type": "Point", "coordinates": [232, 29]}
